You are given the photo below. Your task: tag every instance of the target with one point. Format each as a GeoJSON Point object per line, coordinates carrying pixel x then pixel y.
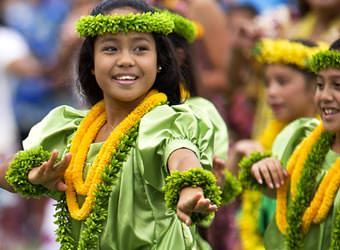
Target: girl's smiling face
{"type": "Point", "coordinates": [327, 98]}
{"type": "Point", "coordinates": [287, 93]}
{"type": "Point", "coordinates": [125, 64]}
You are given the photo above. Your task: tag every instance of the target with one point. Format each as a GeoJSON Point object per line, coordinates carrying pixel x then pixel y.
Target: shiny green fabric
{"type": "Point", "coordinates": [138, 218]}
{"type": "Point", "coordinates": [267, 212]}
{"type": "Point", "coordinates": [319, 235]}
{"type": "Point", "coordinates": [207, 110]}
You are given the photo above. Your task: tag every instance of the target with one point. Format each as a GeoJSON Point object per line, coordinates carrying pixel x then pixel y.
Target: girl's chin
{"type": "Point", "coordinates": [282, 117]}
{"type": "Point", "coordinates": [331, 127]}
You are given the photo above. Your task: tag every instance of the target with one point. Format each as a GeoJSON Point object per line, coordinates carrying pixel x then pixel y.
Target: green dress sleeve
{"type": "Point", "coordinates": [55, 130]}
{"type": "Point", "coordinates": [291, 136]}
{"type": "Point", "coordinates": [205, 110]}
{"type": "Point", "coordinates": [167, 129]}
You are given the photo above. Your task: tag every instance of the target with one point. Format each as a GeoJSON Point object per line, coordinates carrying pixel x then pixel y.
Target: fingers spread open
{"type": "Point", "coordinates": [53, 158]}
{"type": "Point", "coordinates": [63, 164]}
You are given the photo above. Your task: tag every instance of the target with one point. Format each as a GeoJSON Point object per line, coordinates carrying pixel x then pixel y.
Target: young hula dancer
{"type": "Point", "coordinates": [120, 157]}
{"type": "Point", "coordinates": [307, 213]}
{"type": "Point", "coordinates": [289, 90]}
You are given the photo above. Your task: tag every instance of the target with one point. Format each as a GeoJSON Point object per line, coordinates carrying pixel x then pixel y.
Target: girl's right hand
{"type": "Point", "coordinates": [271, 171]}
{"type": "Point", "coordinates": [51, 174]}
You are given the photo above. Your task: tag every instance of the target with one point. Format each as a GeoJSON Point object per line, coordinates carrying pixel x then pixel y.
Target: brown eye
{"type": "Point", "coordinates": [282, 80]}
{"type": "Point", "coordinates": [319, 85]}
{"type": "Point", "coordinates": [109, 49]}
{"type": "Point", "coordinates": [141, 49]}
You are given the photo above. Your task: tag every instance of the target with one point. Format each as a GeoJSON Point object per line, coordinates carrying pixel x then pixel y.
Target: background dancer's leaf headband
{"type": "Point", "coordinates": [269, 51]}
{"type": "Point", "coordinates": [158, 22]}
{"type": "Point", "coordinates": [325, 60]}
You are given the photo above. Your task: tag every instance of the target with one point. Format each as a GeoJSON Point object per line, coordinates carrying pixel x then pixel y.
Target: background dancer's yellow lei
{"type": "Point", "coordinates": [248, 223]}
{"type": "Point", "coordinates": [80, 145]}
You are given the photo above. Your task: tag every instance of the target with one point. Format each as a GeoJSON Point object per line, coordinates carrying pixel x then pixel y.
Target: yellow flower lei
{"type": "Point", "coordinates": [248, 223]}
{"type": "Point", "coordinates": [324, 195]}
{"type": "Point", "coordinates": [268, 136]}
{"type": "Point", "coordinates": [84, 136]}
{"type": "Point", "coordinates": [250, 238]}
{"type": "Point", "coordinates": [269, 51]}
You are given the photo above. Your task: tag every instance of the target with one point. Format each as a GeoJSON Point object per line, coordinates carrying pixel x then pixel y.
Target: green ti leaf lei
{"type": "Point", "coordinates": [335, 242]}
{"type": "Point", "coordinates": [94, 223]}
{"type": "Point", "coordinates": [305, 191]}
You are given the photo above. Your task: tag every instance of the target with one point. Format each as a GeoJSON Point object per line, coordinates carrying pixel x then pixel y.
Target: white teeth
{"type": "Point", "coordinates": [126, 77]}
{"type": "Point", "coordinates": [330, 111]}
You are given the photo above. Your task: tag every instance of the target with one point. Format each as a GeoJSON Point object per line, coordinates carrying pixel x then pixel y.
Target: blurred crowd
{"type": "Point", "coordinates": [37, 44]}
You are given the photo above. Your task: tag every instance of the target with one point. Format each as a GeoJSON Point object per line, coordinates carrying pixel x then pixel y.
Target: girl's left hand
{"type": "Point", "coordinates": [191, 200]}
{"type": "Point", "coordinates": [50, 173]}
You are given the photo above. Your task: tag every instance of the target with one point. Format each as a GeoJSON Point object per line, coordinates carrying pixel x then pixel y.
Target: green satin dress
{"type": "Point", "coordinates": [319, 235]}
{"type": "Point", "coordinates": [138, 217]}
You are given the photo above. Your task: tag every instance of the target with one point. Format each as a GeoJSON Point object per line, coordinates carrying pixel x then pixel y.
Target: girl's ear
{"type": "Point", "coordinates": [92, 71]}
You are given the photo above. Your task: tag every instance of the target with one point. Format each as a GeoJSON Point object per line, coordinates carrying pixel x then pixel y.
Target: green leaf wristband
{"type": "Point", "coordinates": [195, 177]}
{"type": "Point", "coordinates": [17, 173]}
{"type": "Point", "coordinates": [245, 177]}
{"type": "Point", "coordinates": [231, 188]}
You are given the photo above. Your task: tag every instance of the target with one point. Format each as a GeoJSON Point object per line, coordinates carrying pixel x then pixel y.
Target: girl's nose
{"type": "Point", "coordinates": [125, 59]}
{"type": "Point", "coordinates": [272, 89]}
{"type": "Point", "coordinates": [326, 94]}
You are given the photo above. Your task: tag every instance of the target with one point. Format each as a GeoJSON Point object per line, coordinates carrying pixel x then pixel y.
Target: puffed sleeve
{"type": "Point", "coordinates": [291, 136]}
{"type": "Point", "coordinates": [166, 129]}
{"type": "Point", "coordinates": [55, 130]}
{"type": "Point", "coordinates": [206, 110]}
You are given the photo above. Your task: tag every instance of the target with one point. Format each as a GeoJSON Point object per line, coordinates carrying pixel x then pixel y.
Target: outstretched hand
{"type": "Point", "coordinates": [270, 171]}
{"type": "Point", "coordinates": [50, 174]}
{"type": "Point", "coordinates": [191, 200]}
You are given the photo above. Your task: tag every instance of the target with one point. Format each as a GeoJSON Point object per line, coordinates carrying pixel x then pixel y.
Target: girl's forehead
{"type": "Point", "coordinates": [123, 11]}
{"type": "Point", "coordinates": [135, 36]}
{"type": "Point", "coordinates": [330, 73]}
{"type": "Point", "coordinates": [278, 67]}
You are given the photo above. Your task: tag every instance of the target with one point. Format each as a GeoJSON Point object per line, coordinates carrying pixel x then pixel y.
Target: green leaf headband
{"type": "Point", "coordinates": [269, 51]}
{"type": "Point", "coordinates": [325, 60]}
{"type": "Point", "coordinates": [184, 27]}
{"type": "Point", "coordinates": [91, 26]}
